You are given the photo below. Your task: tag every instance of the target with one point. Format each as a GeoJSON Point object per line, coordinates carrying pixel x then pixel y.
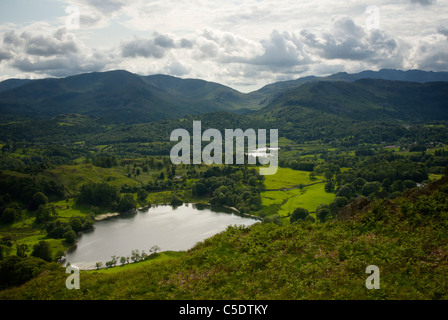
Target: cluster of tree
{"type": "Point", "coordinates": [135, 256]}
{"type": "Point", "coordinates": [69, 230]}
{"type": "Point", "coordinates": [105, 161]}
{"type": "Point", "coordinates": [231, 186]}
{"type": "Point", "coordinates": [21, 190]}
{"type": "Point", "coordinates": [15, 270]}
{"type": "Point", "coordinates": [105, 196]}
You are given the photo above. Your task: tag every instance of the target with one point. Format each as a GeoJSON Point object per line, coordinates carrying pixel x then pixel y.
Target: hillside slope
{"type": "Point", "coordinates": [118, 96]}
{"type": "Point", "coordinates": [369, 99]}
{"type": "Point", "coordinates": [404, 237]}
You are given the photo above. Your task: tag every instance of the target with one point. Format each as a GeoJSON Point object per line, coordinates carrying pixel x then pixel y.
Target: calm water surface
{"type": "Point", "coordinates": [169, 228]}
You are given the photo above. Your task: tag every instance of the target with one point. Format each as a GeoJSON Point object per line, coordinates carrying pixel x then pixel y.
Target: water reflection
{"type": "Point", "coordinates": [170, 228]}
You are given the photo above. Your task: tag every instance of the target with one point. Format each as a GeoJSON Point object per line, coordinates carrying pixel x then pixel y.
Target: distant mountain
{"type": "Point", "coordinates": [12, 83]}
{"type": "Point", "coordinates": [124, 97]}
{"type": "Point", "coordinates": [266, 94]}
{"type": "Point", "coordinates": [195, 93]}
{"type": "Point", "coordinates": [119, 96]}
{"type": "Point", "coordinates": [391, 74]}
{"type": "Point", "coordinates": [369, 99]}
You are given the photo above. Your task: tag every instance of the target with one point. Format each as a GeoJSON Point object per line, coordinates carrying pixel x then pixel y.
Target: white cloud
{"type": "Point", "coordinates": [242, 43]}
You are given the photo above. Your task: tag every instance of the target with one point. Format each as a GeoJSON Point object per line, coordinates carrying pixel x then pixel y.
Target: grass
{"type": "Point", "coordinates": [434, 177]}
{"type": "Point", "coordinates": [284, 202]}
{"type": "Point", "coordinates": [287, 201]}
{"type": "Point", "coordinates": [287, 178]}
{"type": "Point", "coordinates": [162, 256]}
{"type": "Point", "coordinates": [72, 177]}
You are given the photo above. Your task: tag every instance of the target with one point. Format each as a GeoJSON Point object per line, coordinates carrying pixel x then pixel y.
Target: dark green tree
{"type": "Point", "coordinates": [42, 250]}
{"type": "Point", "coordinates": [299, 214]}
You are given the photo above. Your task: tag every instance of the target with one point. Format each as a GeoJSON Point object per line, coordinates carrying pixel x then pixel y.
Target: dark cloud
{"type": "Point", "coordinates": [185, 43]}
{"type": "Point", "coordinates": [48, 46]}
{"type": "Point", "coordinates": [62, 66]}
{"type": "Point", "coordinates": [107, 7]}
{"type": "Point", "coordinates": [163, 41]}
{"type": "Point", "coordinates": [89, 20]}
{"type": "Point", "coordinates": [154, 47]}
{"type": "Point", "coordinates": [424, 2]}
{"type": "Point", "coordinates": [5, 55]}
{"type": "Point", "coordinates": [348, 41]}
{"type": "Point", "coordinates": [41, 65]}
{"type": "Point", "coordinates": [443, 30]}
{"type": "Point", "coordinates": [41, 45]}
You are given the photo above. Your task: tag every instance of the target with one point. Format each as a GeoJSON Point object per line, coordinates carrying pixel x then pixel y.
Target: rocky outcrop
{"type": "Point", "coordinates": [359, 205]}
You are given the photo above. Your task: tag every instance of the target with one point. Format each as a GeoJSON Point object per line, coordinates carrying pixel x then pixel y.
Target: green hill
{"type": "Point", "coordinates": [118, 96]}
{"type": "Point", "coordinates": [404, 237]}
{"type": "Point", "coordinates": [124, 97]}
{"type": "Point", "coordinates": [370, 99]}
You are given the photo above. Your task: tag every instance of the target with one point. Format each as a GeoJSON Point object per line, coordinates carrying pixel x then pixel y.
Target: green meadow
{"type": "Point", "coordinates": [285, 202]}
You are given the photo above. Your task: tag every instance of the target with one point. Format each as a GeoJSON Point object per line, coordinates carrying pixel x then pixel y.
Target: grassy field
{"type": "Point", "coordinates": [288, 178]}
{"type": "Point", "coordinates": [284, 202]}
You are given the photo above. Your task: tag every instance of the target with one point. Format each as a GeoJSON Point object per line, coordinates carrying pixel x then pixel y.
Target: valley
{"type": "Point", "coordinates": [76, 148]}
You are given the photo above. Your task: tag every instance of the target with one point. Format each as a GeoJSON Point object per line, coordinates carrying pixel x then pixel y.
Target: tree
{"type": "Point", "coordinates": [21, 250]}
{"type": "Point", "coordinates": [328, 175]}
{"type": "Point", "coordinates": [70, 236]}
{"type": "Point", "coordinates": [329, 186]}
{"type": "Point", "coordinates": [299, 214]}
{"type": "Point", "coordinates": [101, 195]}
{"type": "Point", "coordinates": [370, 188]}
{"type": "Point", "coordinates": [347, 191]}
{"type": "Point", "coordinates": [9, 215]}
{"type": "Point", "coordinates": [45, 214]}
{"type": "Point", "coordinates": [323, 212]}
{"type": "Point", "coordinates": [114, 260]}
{"type": "Point", "coordinates": [274, 218]}
{"type": "Point", "coordinates": [154, 249]}
{"type": "Point", "coordinates": [397, 186]}
{"type": "Point", "coordinates": [40, 198]}
{"type": "Point", "coordinates": [126, 203]}
{"type": "Point", "coordinates": [176, 200]}
{"type": "Point", "coordinates": [42, 250]}
{"type": "Point", "coordinates": [122, 260]}
{"type": "Point", "coordinates": [142, 194]}
{"type": "Point", "coordinates": [409, 184]}
{"type": "Point", "coordinates": [135, 255]}
{"type": "Point", "coordinates": [199, 189]}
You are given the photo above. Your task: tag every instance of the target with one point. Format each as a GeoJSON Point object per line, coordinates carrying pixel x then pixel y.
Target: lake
{"type": "Point", "coordinates": [176, 229]}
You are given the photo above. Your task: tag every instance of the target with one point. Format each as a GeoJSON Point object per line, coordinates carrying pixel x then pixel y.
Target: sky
{"type": "Point", "coordinates": [242, 44]}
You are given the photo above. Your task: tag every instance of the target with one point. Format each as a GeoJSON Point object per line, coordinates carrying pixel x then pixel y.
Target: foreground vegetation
{"type": "Point", "coordinates": [405, 237]}
{"type": "Point", "coordinates": [57, 176]}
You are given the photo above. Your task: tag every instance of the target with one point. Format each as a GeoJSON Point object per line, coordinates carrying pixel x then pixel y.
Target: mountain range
{"type": "Point", "coordinates": [124, 97]}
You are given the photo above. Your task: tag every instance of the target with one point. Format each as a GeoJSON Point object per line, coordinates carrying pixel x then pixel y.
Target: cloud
{"type": "Point", "coordinates": [154, 47]}
{"type": "Point", "coordinates": [347, 41]}
{"type": "Point", "coordinates": [225, 47]}
{"type": "Point", "coordinates": [142, 48]}
{"type": "Point", "coordinates": [5, 55]}
{"type": "Point", "coordinates": [107, 7]}
{"type": "Point", "coordinates": [282, 50]}
{"type": "Point", "coordinates": [56, 54]}
{"type": "Point", "coordinates": [177, 68]}
{"type": "Point", "coordinates": [430, 53]}
{"type": "Point", "coordinates": [59, 43]}
{"type": "Point", "coordinates": [443, 30]}
{"type": "Point", "coordinates": [424, 2]}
